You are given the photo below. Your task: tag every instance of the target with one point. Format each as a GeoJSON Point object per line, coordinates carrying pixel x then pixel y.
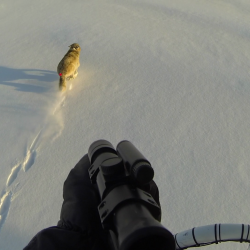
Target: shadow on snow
{"type": "Point", "coordinates": [28, 80]}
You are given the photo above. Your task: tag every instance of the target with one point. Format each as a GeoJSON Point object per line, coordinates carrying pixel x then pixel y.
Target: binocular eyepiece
{"type": "Point", "coordinates": [129, 213]}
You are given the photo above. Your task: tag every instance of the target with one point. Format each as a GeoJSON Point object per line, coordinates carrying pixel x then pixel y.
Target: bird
{"type": "Point", "coordinates": [68, 66]}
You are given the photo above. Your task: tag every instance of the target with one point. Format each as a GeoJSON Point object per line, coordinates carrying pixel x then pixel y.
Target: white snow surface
{"type": "Point", "coordinates": [170, 76]}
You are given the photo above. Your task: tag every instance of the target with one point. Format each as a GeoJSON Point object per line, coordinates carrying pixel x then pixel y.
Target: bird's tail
{"type": "Point", "coordinates": [62, 82]}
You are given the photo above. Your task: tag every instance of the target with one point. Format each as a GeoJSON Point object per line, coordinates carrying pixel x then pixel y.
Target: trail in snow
{"type": "Point", "coordinates": [48, 133]}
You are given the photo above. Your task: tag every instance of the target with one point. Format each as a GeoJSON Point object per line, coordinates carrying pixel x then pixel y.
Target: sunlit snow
{"type": "Point", "coordinates": [170, 76]}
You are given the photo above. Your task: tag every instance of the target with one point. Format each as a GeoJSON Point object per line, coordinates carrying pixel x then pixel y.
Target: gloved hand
{"type": "Point", "coordinates": [81, 198]}
{"type": "Point", "coordinates": [79, 209]}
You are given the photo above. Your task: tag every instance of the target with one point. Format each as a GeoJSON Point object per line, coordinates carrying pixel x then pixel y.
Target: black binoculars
{"type": "Point", "coordinates": [131, 215]}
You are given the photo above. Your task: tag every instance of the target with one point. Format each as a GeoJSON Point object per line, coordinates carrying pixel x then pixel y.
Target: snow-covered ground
{"type": "Point", "coordinates": [170, 76]}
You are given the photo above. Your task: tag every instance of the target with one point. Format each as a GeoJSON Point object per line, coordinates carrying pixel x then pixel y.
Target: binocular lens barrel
{"type": "Point", "coordinates": [137, 165]}
{"type": "Point", "coordinates": [99, 147]}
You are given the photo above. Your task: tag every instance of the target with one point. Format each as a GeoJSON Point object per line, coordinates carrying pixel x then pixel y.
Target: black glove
{"type": "Point", "coordinates": [79, 210]}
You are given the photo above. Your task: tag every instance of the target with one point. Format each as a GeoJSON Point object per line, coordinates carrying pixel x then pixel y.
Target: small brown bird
{"type": "Point", "coordinates": [67, 67]}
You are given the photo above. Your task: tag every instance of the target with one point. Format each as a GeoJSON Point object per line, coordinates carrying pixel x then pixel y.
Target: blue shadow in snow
{"type": "Point", "coordinates": [43, 79]}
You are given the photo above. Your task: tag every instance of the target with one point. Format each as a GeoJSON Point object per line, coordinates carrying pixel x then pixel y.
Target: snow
{"type": "Point", "coordinates": [170, 76]}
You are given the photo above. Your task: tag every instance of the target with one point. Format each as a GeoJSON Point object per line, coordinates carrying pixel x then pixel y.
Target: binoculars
{"type": "Point", "coordinates": [130, 214]}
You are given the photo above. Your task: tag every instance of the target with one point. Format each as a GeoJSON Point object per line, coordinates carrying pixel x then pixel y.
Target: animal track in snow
{"type": "Point", "coordinates": [4, 207]}
{"type": "Point", "coordinates": [26, 164]}
{"type": "Point", "coordinates": [31, 153]}
{"type": "Point", "coordinates": [13, 175]}
{"type": "Point", "coordinates": [50, 131]}
{"type": "Point", "coordinates": [29, 160]}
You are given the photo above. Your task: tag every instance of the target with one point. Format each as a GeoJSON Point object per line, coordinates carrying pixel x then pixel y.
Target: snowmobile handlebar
{"type": "Point", "coordinates": [130, 214]}
{"type": "Point", "coordinates": [212, 234]}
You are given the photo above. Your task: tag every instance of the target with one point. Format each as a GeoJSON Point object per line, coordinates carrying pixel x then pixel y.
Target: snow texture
{"type": "Point", "coordinates": [170, 76]}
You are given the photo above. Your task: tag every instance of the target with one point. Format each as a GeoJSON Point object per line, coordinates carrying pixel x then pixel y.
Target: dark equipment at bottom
{"type": "Point", "coordinates": [129, 213]}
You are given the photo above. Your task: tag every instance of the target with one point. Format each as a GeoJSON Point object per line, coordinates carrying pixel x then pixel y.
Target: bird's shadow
{"type": "Point", "coordinates": [28, 80]}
